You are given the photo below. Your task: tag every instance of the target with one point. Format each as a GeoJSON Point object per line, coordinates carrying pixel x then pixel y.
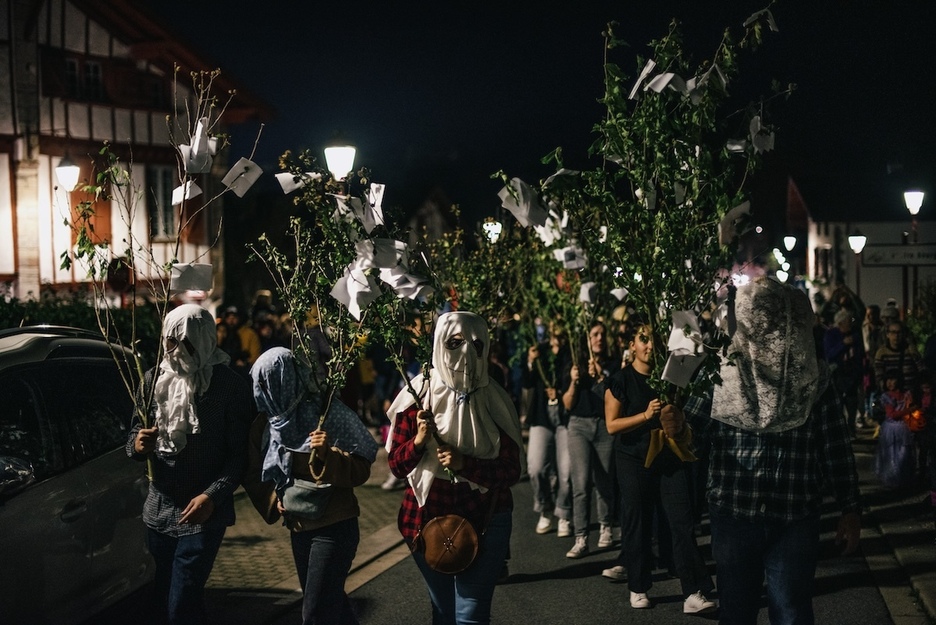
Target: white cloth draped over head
{"type": "Point", "coordinates": [184, 375]}
{"type": "Point", "coordinates": [466, 407]}
{"type": "Point", "coordinates": [771, 377]}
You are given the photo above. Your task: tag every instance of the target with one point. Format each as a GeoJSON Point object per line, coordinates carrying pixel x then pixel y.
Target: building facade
{"type": "Point", "coordinates": [74, 75]}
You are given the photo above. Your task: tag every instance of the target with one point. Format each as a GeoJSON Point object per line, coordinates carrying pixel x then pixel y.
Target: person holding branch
{"type": "Point", "coordinates": [457, 442]}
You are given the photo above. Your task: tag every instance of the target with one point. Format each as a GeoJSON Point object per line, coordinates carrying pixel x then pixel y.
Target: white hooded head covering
{"type": "Point", "coordinates": [184, 375]}
{"type": "Point", "coordinates": [771, 377]}
{"type": "Point", "coordinates": [467, 408]}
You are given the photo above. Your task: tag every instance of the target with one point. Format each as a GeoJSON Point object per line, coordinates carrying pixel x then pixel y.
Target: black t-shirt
{"type": "Point", "coordinates": [634, 393]}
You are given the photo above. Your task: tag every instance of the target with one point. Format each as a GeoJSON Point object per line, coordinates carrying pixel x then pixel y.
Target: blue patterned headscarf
{"type": "Point", "coordinates": [281, 392]}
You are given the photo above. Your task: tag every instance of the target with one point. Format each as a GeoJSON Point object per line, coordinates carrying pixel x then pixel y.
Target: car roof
{"type": "Point", "coordinates": [29, 344]}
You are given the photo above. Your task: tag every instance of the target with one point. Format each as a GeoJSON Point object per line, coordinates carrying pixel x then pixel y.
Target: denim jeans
{"type": "Point", "coordinates": [548, 451]}
{"type": "Point", "coordinates": [590, 451]}
{"type": "Point", "coordinates": [323, 558]}
{"type": "Point", "coordinates": [465, 598]}
{"type": "Point", "coordinates": [748, 552]}
{"type": "Point", "coordinates": [183, 565]}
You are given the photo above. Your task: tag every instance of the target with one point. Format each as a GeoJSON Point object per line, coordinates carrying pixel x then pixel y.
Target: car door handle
{"type": "Point", "coordinates": [73, 511]}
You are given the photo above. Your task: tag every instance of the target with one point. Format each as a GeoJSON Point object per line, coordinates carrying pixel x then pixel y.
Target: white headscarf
{"type": "Point", "coordinates": [467, 408]}
{"type": "Point", "coordinates": [772, 376]}
{"type": "Point", "coordinates": [183, 376]}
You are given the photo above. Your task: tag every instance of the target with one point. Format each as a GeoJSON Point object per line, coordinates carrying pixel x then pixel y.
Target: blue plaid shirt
{"type": "Point", "coordinates": [777, 476]}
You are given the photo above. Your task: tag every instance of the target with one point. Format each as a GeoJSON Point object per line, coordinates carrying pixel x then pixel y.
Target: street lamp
{"type": "Point", "coordinates": [914, 201]}
{"type": "Point", "coordinates": [789, 242]}
{"type": "Point", "coordinates": [340, 160]}
{"type": "Point", "coordinates": [857, 242]}
{"type": "Point", "coordinates": [67, 172]}
{"type": "Point", "coordinates": [492, 229]}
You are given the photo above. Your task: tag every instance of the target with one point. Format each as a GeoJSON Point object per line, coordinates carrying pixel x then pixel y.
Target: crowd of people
{"type": "Point", "coordinates": [579, 416]}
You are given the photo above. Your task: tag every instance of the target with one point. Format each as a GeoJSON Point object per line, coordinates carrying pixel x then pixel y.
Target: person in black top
{"type": "Point", "coordinates": [650, 468]}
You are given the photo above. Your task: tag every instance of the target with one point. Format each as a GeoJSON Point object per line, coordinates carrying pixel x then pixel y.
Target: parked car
{"type": "Point", "coordinates": [71, 538]}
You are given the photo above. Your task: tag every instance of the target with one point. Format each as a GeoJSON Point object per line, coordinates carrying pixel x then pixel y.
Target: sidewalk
{"type": "Point", "coordinates": [898, 542]}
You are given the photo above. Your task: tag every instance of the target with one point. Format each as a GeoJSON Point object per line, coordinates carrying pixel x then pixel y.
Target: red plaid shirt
{"type": "Point", "coordinates": [497, 474]}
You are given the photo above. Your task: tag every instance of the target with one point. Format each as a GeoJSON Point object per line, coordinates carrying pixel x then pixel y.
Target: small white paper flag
{"type": "Point", "coordinates": [290, 182]}
{"type": "Point", "coordinates": [525, 207]}
{"type": "Point", "coordinates": [678, 341]}
{"type": "Point", "coordinates": [728, 227]}
{"type": "Point", "coordinates": [380, 253]}
{"type": "Point", "coordinates": [680, 368]}
{"type": "Point", "coordinates": [643, 75]}
{"type": "Point", "coordinates": [242, 176]}
{"type": "Point", "coordinates": [588, 292]}
{"type": "Point", "coordinates": [186, 191]}
{"type": "Point", "coordinates": [619, 293]}
{"type": "Point", "coordinates": [355, 289]}
{"type": "Point", "coordinates": [190, 277]}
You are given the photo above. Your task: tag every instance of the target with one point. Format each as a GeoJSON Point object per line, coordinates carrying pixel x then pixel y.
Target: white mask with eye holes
{"type": "Point", "coordinates": [461, 359]}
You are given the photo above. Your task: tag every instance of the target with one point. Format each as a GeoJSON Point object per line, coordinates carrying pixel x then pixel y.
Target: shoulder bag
{"type": "Point", "coordinates": [449, 543]}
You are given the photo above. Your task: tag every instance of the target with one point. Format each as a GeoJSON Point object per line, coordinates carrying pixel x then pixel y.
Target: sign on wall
{"type": "Point", "coordinates": [898, 255]}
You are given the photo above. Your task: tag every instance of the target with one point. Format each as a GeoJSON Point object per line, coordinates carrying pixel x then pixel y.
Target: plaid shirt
{"type": "Point", "coordinates": [212, 462]}
{"type": "Point", "coordinates": [445, 497]}
{"type": "Point", "coordinates": [777, 476]}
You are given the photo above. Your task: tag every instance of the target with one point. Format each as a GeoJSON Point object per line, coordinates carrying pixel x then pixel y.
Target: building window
{"type": "Point", "coordinates": [93, 81]}
{"type": "Point", "coordinates": [72, 79]}
{"type": "Point", "coordinates": [160, 181]}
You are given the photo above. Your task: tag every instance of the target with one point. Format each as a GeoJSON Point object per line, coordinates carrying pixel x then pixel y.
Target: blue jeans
{"type": "Point", "coordinates": [590, 450]}
{"type": "Point", "coordinates": [548, 450]}
{"type": "Point", "coordinates": [747, 552]}
{"type": "Point", "coordinates": [183, 565]}
{"type": "Point", "coordinates": [465, 598]}
{"type": "Point", "coordinates": [323, 558]}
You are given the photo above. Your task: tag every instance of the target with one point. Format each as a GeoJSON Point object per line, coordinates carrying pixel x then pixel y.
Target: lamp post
{"type": "Point", "coordinates": [913, 200]}
{"type": "Point", "coordinates": [857, 242]}
{"type": "Point", "coordinates": [492, 229]}
{"type": "Point", "coordinates": [339, 158]}
{"type": "Point", "coordinates": [67, 172]}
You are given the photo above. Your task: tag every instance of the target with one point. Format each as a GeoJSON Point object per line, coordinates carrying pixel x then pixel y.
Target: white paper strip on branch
{"type": "Point", "coordinates": [664, 80]}
{"type": "Point", "coordinates": [736, 146]}
{"type": "Point", "coordinates": [571, 257]}
{"type": "Point", "coordinates": [679, 342]}
{"type": "Point", "coordinates": [352, 207]}
{"type": "Point", "coordinates": [643, 76]}
{"type": "Point", "coordinates": [374, 216]}
{"type": "Point", "coordinates": [190, 277]}
{"type": "Point", "coordinates": [196, 156]}
{"type": "Point", "coordinates": [680, 368]}
{"type": "Point", "coordinates": [588, 292]}
{"type": "Point", "coordinates": [761, 138]}
{"type": "Point", "coordinates": [763, 14]}
{"type": "Point", "coordinates": [696, 86]}
{"type": "Point", "coordinates": [355, 289]}
{"type": "Point", "coordinates": [522, 203]}
{"type": "Point", "coordinates": [380, 253]}
{"type": "Point", "coordinates": [185, 191]}
{"type": "Point", "coordinates": [559, 173]}
{"type": "Point", "coordinates": [242, 176]}
{"type": "Point", "coordinates": [290, 182]}
{"type": "Point", "coordinates": [551, 231]}
{"type": "Point", "coordinates": [728, 227]}
{"type": "Point", "coordinates": [619, 293]}
{"type": "Point", "coordinates": [405, 285]}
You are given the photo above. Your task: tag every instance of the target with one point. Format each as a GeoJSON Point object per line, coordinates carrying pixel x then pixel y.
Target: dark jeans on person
{"type": "Point", "coordinates": [183, 565]}
{"type": "Point", "coordinates": [323, 558]}
{"type": "Point", "coordinates": [640, 489]}
{"type": "Point", "coordinates": [748, 551]}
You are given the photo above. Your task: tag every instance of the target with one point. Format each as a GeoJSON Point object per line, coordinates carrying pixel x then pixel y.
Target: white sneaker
{"type": "Point", "coordinates": [544, 525]}
{"type": "Point", "coordinates": [639, 600]}
{"type": "Point", "coordinates": [605, 539]}
{"type": "Point", "coordinates": [617, 573]}
{"type": "Point", "coordinates": [696, 603]}
{"type": "Point", "coordinates": [393, 483]}
{"type": "Point", "coordinates": [565, 528]}
{"type": "Point", "coordinates": [579, 549]}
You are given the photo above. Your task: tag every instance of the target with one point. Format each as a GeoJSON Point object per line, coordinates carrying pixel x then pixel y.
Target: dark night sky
{"type": "Point", "coordinates": [450, 92]}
